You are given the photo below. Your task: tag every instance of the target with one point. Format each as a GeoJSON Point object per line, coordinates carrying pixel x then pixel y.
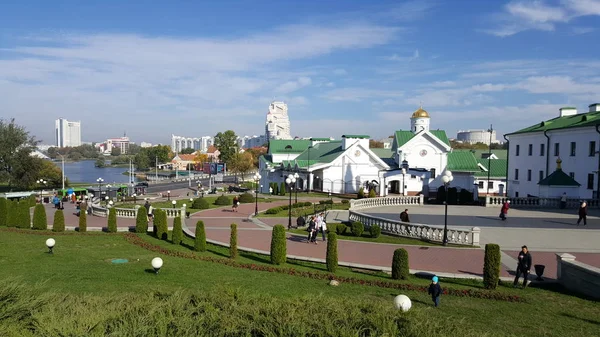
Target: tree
{"type": "Point", "coordinates": [256, 153]}
{"type": "Point", "coordinates": [142, 161]}
{"type": "Point", "coordinates": [52, 152]}
{"type": "Point", "coordinates": [200, 243]}
{"type": "Point", "coordinates": [243, 163]}
{"type": "Point", "coordinates": [491, 266]}
{"type": "Point", "coordinates": [15, 146]}
{"type": "Point", "coordinates": [233, 249]}
{"type": "Point", "coordinates": [3, 211]}
{"type": "Point", "coordinates": [59, 221]}
{"type": "Point", "coordinates": [115, 152]}
{"type": "Point", "coordinates": [332, 253]}
{"type": "Point", "coordinates": [112, 220]}
{"type": "Point", "coordinates": [100, 162]}
{"type": "Point", "coordinates": [177, 235]}
{"type": "Point", "coordinates": [226, 143]}
{"type": "Point", "coordinates": [24, 215]}
{"type": "Point", "coordinates": [50, 173]}
{"type": "Point", "coordinates": [141, 221]}
{"type": "Point", "coordinates": [187, 150]}
{"type": "Point", "coordinates": [201, 158]}
{"type": "Point", "coordinates": [278, 245]}
{"type": "Point", "coordinates": [374, 144]}
{"type": "Point", "coordinates": [134, 149]}
{"type": "Point", "coordinates": [39, 217]}
{"type": "Point", "coordinates": [400, 268]}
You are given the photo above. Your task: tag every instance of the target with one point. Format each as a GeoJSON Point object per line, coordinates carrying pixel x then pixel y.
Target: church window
{"type": "Point", "coordinates": [481, 184]}
{"type": "Point", "coordinates": [432, 173]}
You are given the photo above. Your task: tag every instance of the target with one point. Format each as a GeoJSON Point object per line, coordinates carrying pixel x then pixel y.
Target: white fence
{"type": "Point", "coordinates": [426, 232]}
{"type": "Point", "coordinates": [495, 201]}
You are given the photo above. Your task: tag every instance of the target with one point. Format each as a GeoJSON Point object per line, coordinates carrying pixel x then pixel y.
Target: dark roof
{"type": "Point", "coordinates": [559, 178]}
{"type": "Point", "coordinates": [565, 122]}
{"type": "Point", "coordinates": [402, 137]}
{"type": "Point", "coordinates": [356, 136]}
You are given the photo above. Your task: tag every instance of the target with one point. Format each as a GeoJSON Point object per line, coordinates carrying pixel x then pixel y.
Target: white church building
{"type": "Point", "coordinates": [413, 165]}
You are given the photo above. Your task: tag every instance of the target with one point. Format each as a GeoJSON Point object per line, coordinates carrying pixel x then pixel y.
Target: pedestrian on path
{"type": "Point", "coordinates": [318, 225]}
{"type": "Point", "coordinates": [563, 201]}
{"type": "Point", "coordinates": [504, 210]}
{"type": "Point", "coordinates": [322, 226]}
{"type": "Point", "coordinates": [435, 290]}
{"type": "Point", "coordinates": [310, 229]}
{"type": "Point", "coordinates": [404, 216]}
{"type": "Point", "coordinates": [523, 266]}
{"type": "Point", "coordinates": [236, 203]}
{"type": "Point", "coordinates": [582, 213]}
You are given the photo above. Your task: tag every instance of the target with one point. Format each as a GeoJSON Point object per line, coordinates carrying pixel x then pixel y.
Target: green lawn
{"type": "Point", "coordinates": [119, 296]}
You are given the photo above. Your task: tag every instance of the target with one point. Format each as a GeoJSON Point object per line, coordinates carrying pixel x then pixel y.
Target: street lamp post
{"type": "Point", "coordinates": [106, 199]}
{"type": "Point", "coordinates": [134, 198]}
{"type": "Point", "coordinates": [308, 172]}
{"type": "Point", "coordinates": [42, 183]}
{"type": "Point", "coordinates": [202, 192]}
{"type": "Point", "coordinates": [63, 170]}
{"type": "Point", "coordinates": [257, 180]}
{"type": "Point", "coordinates": [491, 129]}
{"type": "Point", "coordinates": [290, 180]}
{"type": "Point", "coordinates": [446, 179]}
{"type": "Point", "coordinates": [296, 176]}
{"type": "Point", "coordinates": [168, 195]}
{"type": "Point", "coordinates": [404, 170]}
{"type": "Point", "coordinates": [99, 181]}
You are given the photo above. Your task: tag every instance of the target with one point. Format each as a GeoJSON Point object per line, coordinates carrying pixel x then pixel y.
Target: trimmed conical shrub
{"type": "Point", "coordinates": [400, 264]}
{"type": "Point", "coordinates": [200, 242]}
{"type": "Point", "coordinates": [278, 245]}
{"type": "Point", "coordinates": [332, 253]}
{"type": "Point", "coordinates": [177, 235]}
{"type": "Point", "coordinates": [82, 220]}
{"type": "Point", "coordinates": [12, 213]}
{"type": "Point", "coordinates": [24, 220]}
{"type": "Point", "coordinates": [112, 220]}
{"type": "Point", "coordinates": [59, 221]}
{"type": "Point", "coordinates": [491, 266]}
{"type": "Point", "coordinates": [3, 211]}
{"type": "Point", "coordinates": [160, 221]}
{"type": "Point", "coordinates": [141, 221]}
{"type": "Point", "coordinates": [233, 251]}
{"type": "Point", "coordinates": [282, 189]}
{"type": "Point", "coordinates": [40, 221]}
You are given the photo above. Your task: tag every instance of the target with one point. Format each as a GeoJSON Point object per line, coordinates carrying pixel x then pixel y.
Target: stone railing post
{"type": "Point", "coordinates": [475, 232]}
{"type": "Point", "coordinates": [559, 259]}
{"type": "Point", "coordinates": [421, 199]}
{"type": "Point", "coordinates": [487, 201]}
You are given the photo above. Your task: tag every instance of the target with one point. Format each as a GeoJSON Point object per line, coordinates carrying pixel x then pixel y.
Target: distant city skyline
{"type": "Point", "coordinates": [341, 67]}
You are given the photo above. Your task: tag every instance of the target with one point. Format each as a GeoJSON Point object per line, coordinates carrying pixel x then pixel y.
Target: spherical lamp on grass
{"type": "Point", "coordinates": [157, 263]}
{"type": "Point", "coordinates": [50, 244]}
{"type": "Point", "coordinates": [174, 203]}
{"type": "Point", "coordinates": [402, 302]}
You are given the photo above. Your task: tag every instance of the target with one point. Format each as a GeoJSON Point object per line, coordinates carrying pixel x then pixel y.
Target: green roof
{"type": "Point", "coordinates": [382, 153]}
{"type": "Point", "coordinates": [318, 154]}
{"type": "Point", "coordinates": [482, 154]}
{"type": "Point", "coordinates": [356, 136]}
{"type": "Point", "coordinates": [462, 161]}
{"type": "Point", "coordinates": [320, 139]}
{"type": "Point", "coordinates": [402, 137]}
{"type": "Point", "coordinates": [498, 168]}
{"type": "Point", "coordinates": [288, 146]}
{"type": "Point", "coordinates": [565, 122]}
{"type": "Point", "coordinates": [559, 178]}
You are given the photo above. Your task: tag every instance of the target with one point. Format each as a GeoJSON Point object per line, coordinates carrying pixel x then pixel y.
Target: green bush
{"type": "Point", "coordinates": [357, 229]}
{"type": "Point", "coordinates": [82, 221]}
{"type": "Point", "coordinates": [326, 202]}
{"type": "Point", "coordinates": [223, 200]}
{"type": "Point", "coordinates": [275, 189]}
{"type": "Point", "coordinates": [375, 231]}
{"type": "Point", "coordinates": [24, 215]}
{"type": "Point", "coordinates": [400, 269]}
{"type": "Point", "coordinates": [177, 236]}
{"type": "Point", "coordinates": [112, 220]}
{"type": "Point", "coordinates": [282, 189]}
{"type": "Point", "coordinates": [12, 216]}
{"type": "Point", "coordinates": [3, 211]}
{"type": "Point", "coordinates": [491, 266]}
{"type": "Point", "coordinates": [278, 245]}
{"type": "Point", "coordinates": [40, 221]}
{"type": "Point", "coordinates": [361, 193]}
{"type": "Point", "coordinates": [340, 228]}
{"type": "Point", "coordinates": [332, 253]}
{"type": "Point", "coordinates": [59, 221]}
{"type": "Point", "coordinates": [345, 201]}
{"type": "Point", "coordinates": [162, 229]}
{"type": "Point", "coordinates": [246, 198]}
{"type": "Point", "coordinates": [372, 193]}
{"type": "Point", "coordinates": [233, 251]}
{"type": "Point", "coordinates": [141, 220]}
{"type": "Point", "coordinates": [274, 210]}
{"type": "Point", "coordinates": [200, 203]}
{"type": "Point", "coordinates": [31, 201]}
{"type": "Point", "coordinates": [200, 242]}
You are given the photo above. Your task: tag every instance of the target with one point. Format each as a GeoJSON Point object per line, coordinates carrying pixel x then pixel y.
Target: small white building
{"type": "Point", "coordinates": [572, 137]}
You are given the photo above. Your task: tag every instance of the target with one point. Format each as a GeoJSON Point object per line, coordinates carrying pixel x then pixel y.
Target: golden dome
{"type": "Point", "coordinates": [420, 114]}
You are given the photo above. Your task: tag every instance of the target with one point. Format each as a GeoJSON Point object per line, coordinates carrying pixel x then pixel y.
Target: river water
{"type": "Point", "coordinates": [85, 172]}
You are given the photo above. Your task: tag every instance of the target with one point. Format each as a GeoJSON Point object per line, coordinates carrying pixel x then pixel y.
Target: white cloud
{"type": "Point", "coordinates": [582, 30]}
{"type": "Point", "coordinates": [441, 84]}
{"type": "Point", "coordinates": [396, 57]}
{"type": "Point", "coordinates": [518, 16]}
{"type": "Point", "coordinates": [291, 86]}
{"type": "Point", "coordinates": [358, 94]}
{"type": "Point", "coordinates": [557, 85]}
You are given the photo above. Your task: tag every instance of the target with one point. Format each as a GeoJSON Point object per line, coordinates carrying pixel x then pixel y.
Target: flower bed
{"type": "Point", "coordinates": [483, 294]}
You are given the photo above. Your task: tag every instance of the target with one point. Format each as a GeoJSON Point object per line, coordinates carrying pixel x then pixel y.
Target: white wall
{"type": "Point", "coordinates": [581, 164]}
{"type": "Point", "coordinates": [435, 158]}
{"type": "Point", "coordinates": [495, 188]}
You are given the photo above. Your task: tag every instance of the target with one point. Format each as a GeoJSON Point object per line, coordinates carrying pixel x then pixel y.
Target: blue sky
{"type": "Point", "coordinates": [194, 68]}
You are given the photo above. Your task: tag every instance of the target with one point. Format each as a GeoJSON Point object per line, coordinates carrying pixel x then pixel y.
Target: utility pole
{"type": "Point", "coordinates": [489, 159]}
{"type": "Point", "coordinates": [63, 170]}
{"type": "Point", "coordinates": [156, 169]}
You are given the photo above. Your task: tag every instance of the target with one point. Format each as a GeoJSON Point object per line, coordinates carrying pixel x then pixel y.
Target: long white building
{"type": "Point", "coordinates": [202, 144]}
{"type": "Point", "coordinates": [277, 125]}
{"type": "Point", "coordinates": [67, 133]}
{"type": "Point", "coordinates": [557, 156]}
{"type": "Point", "coordinates": [477, 136]}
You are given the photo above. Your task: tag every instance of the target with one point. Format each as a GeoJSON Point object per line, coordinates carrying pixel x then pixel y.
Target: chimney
{"type": "Point", "coordinates": [594, 107]}
{"type": "Point", "coordinates": [567, 111]}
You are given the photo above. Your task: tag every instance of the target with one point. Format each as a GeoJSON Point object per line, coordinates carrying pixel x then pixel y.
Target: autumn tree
{"type": "Point", "coordinates": [242, 163]}
{"type": "Point", "coordinates": [256, 153]}
{"type": "Point", "coordinates": [226, 143]}
{"type": "Point", "coordinates": [187, 150]}
{"type": "Point", "coordinates": [375, 144]}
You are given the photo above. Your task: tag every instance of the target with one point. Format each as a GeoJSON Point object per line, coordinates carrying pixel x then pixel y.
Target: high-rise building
{"type": "Point", "coordinates": [67, 133]}
{"type": "Point", "coordinates": [277, 125]}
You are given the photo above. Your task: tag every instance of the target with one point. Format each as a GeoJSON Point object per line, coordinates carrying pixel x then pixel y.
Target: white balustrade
{"type": "Point", "coordinates": [456, 236]}
{"type": "Point", "coordinates": [496, 201]}
{"type": "Point", "coordinates": [357, 204]}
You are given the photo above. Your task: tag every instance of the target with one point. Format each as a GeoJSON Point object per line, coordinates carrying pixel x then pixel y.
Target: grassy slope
{"type": "Point", "coordinates": [81, 264]}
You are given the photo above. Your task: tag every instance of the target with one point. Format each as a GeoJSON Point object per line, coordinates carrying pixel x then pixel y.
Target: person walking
{"type": "Point", "coordinates": [318, 225]}
{"type": "Point", "coordinates": [523, 266]}
{"type": "Point", "coordinates": [435, 290]}
{"type": "Point", "coordinates": [404, 216]}
{"type": "Point", "coordinates": [504, 210]}
{"type": "Point", "coordinates": [582, 213]}
{"type": "Point", "coordinates": [563, 201]}
{"type": "Point", "coordinates": [310, 229]}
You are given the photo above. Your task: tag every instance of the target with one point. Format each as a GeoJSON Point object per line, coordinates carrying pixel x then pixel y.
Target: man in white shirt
{"type": "Point", "coordinates": [322, 226]}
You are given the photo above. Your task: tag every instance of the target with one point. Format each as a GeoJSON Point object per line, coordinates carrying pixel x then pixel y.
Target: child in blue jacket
{"type": "Point", "coordinates": [435, 290]}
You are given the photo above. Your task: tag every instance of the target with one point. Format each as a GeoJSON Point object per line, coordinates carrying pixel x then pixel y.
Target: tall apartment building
{"type": "Point", "coordinates": [67, 133]}
{"type": "Point", "coordinates": [277, 125]}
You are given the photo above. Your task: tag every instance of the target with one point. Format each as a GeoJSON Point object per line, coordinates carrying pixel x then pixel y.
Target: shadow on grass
{"type": "Point", "coordinates": [569, 315]}
{"type": "Point", "coordinates": [149, 271]}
